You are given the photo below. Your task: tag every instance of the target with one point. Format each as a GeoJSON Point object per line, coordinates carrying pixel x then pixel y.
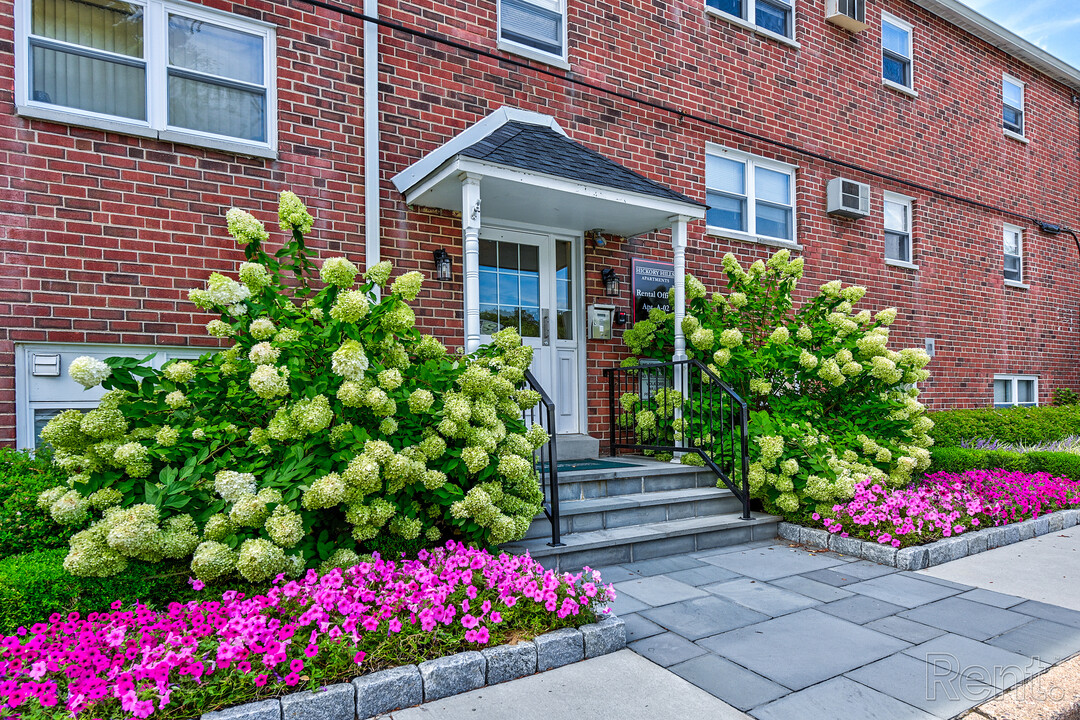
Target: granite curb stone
{"type": "Point", "coordinates": [388, 690]}
{"type": "Point", "coordinates": [558, 648]}
{"type": "Point", "coordinates": [262, 710]}
{"type": "Point", "coordinates": [604, 637]}
{"type": "Point", "coordinates": [334, 702]}
{"type": "Point", "coordinates": [453, 674]}
{"type": "Point", "coordinates": [510, 662]}
{"type": "Point", "coordinates": [945, 550]}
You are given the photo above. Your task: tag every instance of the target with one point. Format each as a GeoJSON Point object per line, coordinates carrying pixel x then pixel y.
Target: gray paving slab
{"type": "Point", "coordinates": [935, 689]}
{"type": "Point", "coordinates": [901, 589]}
{"type": "Point", "coordinates": [982, 662]}
{"type": "Point", "coordinates": [1045, 568]}
{"type": "Point", "coordinates": [1047, 641]}
{"type": "Point", "coordinates": [860, 609]}
{"type": "Point", "coordinates": [619, 685]}
{"type": "Point", "coordinates": [907, 630]}
{"type": "Point", "coordinates": [658, 590]}
{"type": "Point", "coordinates": [812, 588]}
{"type": "Point", "coordinates": [803, 648]}
{"type": "Point", "coordinates": [865, 570]}
{"type": "Point", "coordinates": [616, 573]}
{"type": "Point", "coordinates": [839, 699]}
{"type": "Point", "coordinates": [701, 617]}
{"type": "Point", "coordinates": [989, 597]}
{"type": "Point", "coordinates": [942, 581]}
{"type": "Point", "coordinates": [834, 577]}
{"type": "Point", "coordinates": [761, 596]}
{"type": "Point", "coordinates": [666, 649]}
{"type": "Point", "coordinates": [728, 549]}
{"type": "Point", "coordinates": [625, 604]}
{"type": "Point", "coordinates": [731, 683]}
{"type": "Point", "coordinates": [638, 627]}
{"type": "Point", "coordinates": [703, 575]}
{"type": "Point", "coordinates": [773, 561]}
{"type": "Point", "coordinates": [663, 565]}
{"type": "Point", "coordinates": [965, 617]}
{"type": "Point", "coordinates": [1062, 615]}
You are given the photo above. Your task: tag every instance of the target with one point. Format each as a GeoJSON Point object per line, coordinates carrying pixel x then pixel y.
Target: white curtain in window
{"type": "Point", "coordinates": [79, 77]}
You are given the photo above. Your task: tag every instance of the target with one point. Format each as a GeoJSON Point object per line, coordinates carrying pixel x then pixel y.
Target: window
{"type": "Point", "coordinates": [774, 17]}
{"type": "Point", "coordinates": [749, 196]}
{"type": "Point", "coordinates": [898, 228]}
{"type": "Point", "coordinates": [896, 52]}
{"type": "Point", "coordinates": [1014, 253]}
{"type": "Point", "coordinates": [149, 68]}
{"type": "Point", "coordinates": [1010, 390]}
{"type": "Point", "coordinates": [1012, 94]}
{"type": "Point", "coordinates": [533, 26]}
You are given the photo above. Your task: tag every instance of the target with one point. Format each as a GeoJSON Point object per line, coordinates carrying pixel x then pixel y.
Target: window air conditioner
{"type": "Point", "coordinates": [847, 198]}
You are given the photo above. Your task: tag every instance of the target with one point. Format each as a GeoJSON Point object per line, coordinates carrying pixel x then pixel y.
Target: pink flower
{"type": "Point", "coordinates": [260, 680]}
{"type": "Point", "coordinates": [469, 621]}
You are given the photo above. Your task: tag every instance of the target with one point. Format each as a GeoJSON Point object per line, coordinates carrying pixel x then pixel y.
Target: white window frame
{"type": "Point", "coordinates": [749, 21]}
{"type": "Point", "coordinates": [752, 162]}
{"type": "Point", "coordinates": [1022, 135]}
{"type": "Point", "coordinates": [908, 89]}
{"type": "Point", "coordinates": [1013, 380]}
{"type": "Point", "coordinates": [1007, 228]}
{"type": "Point", "coordinates": [909, 203]}
{"type": "Point", "coordinates": [527, 51]}
{"type": "Point", "coordinates": [155, 56]}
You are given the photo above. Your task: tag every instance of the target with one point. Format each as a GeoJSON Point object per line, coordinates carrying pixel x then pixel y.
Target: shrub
{"type": "Point", "coordinates": [1017, 424]}
{"type": "Point", "coordinates": [958, 460]}
{"type": "Point", "coordinates": [831, 404]}
{"type": "Point", "coordinates": [23, 524]}
{"type": "Point", "coordinates": [331, 420]}
{"type": "Point", "coordinates": [306, 634]}
{"type": "Point", "coordinates": [1061, 464]}
{"type": "Point", "coordinates": [1064, 396]}
{"type": "Point", "coordinates": [946, 504]}
{"type": "Point", "coordinates": [1066, 444]}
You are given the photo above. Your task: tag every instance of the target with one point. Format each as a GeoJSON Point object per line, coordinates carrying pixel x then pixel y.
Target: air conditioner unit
{"type": "Point", "coordinates": [847, 198]}
{"type": "Point", "coordinates": [848, 14]}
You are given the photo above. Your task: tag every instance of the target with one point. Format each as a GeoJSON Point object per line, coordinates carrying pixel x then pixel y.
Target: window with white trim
{"type": "Point", "coordinates": [1013, 237]}
{"type": "Point", "coordinates": [162, 69]}
{"type": "Point", "coordinates": [898, 211]}
{"type": "Point", "coordinates": [897, 51]}
{"type": "Point", "coordinates": [1012, 390]}
{"type": "Point", "coordinates": [534, 26]}
{"type": "Point", "coordinates": [773, 16]}
{"type": "Point", "coordinates": [1012, 99]}
{"type": "Point", "coordinates": [749, 196]}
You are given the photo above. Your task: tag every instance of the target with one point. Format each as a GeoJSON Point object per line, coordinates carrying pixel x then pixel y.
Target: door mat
{"type": "Point", "coordinates": [588, 464]}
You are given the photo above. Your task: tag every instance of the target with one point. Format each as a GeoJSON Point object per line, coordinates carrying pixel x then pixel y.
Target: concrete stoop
{"type": "Point", "coordinates": [651, 509]}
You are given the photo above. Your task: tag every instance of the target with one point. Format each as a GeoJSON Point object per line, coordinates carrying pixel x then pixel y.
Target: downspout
{"type": "Point", "coordinates": [372, 245]}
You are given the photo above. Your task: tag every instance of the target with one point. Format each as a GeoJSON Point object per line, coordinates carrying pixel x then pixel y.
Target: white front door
{"type": "Point", "coordinates": [528, 281]}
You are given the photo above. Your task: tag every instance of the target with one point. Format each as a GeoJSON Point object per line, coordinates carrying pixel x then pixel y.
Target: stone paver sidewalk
{"type": "Point", "coordinates": [785, 633]}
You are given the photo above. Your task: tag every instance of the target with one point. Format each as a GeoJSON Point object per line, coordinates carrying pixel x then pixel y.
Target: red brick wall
{"type": "Point", "coordinates": [102, 234]}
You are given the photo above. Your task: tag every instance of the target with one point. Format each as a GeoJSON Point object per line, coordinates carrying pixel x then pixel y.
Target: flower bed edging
{"type": "Point", "coordinates": [920, 557]}
{"type": "Point", "coordinates": [405, 686]}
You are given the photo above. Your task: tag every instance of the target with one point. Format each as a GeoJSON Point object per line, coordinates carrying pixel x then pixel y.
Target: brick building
{"type": "Point", "coordinates": [555, 140]}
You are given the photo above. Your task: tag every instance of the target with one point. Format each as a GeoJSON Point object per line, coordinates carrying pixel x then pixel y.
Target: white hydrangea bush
{"type": "Point", "coordinates": [331, 421]}
{"type": "Point", "coordinates": [830, 403]}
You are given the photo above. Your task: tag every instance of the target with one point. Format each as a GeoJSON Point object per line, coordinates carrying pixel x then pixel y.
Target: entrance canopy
{"type": "Point", "coordinates": [533, 173]}
{"type": "Point", "coordinates": [524, 169]}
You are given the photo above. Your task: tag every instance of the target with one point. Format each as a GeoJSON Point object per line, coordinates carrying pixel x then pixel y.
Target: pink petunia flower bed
{"type": "Point", "coordinates": [199, 656]}
{"type": "Point", "coordinates": [947, 504]}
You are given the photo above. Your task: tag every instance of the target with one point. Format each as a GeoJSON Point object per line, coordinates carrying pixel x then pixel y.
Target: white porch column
{"type": "Point", "coordinates": [470, 231]}
{"type": "Point", "coordinates": [678, 246]}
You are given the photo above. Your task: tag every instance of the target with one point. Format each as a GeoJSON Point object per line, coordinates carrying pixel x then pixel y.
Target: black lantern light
{"type": "Point", "coordinates": [611, 282]}
{"type": "Point", "coordinates": [442, 265]}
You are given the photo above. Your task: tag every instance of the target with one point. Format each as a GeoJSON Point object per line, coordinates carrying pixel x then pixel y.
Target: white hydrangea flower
{"type": "Point", "coordinates": [223, 292]}
{"type": "Point", "coordinates": [350, 361]}
{"type": "Point", "coordinates": [180, 372]}
{"type": "Point", "coordinates": [176, 400]}
{"type": "Point", "coordinates": [254, 276]}
{"type": "Point", "coordinates": [262, 328]}
{"type": "Point", "coordinates": [338, 272]}
{"type": "Point", "coordinates": [264, 354]}
{"type": "Point", "coordinates": [269, 382]}
{"type": "Point", "coordinates": [232, 485]}
{"type": "Point", "coordinates": [245, 227]}
{"type": "Point", "coordinates": [88, 372]}
{"type": "Point", "coordinates": [219, 328]}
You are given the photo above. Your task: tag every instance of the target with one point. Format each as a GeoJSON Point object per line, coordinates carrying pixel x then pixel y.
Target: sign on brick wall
{"type": "Point", "coordinates": [652, 284]}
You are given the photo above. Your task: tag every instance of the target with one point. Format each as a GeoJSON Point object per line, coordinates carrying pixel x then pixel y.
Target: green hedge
{"type": "Point", "coordinates": [956, 460]}
{"type": "Point", "coordinates": [1019, 424]}
{"type": "Point", "coordinates": [23, 476]}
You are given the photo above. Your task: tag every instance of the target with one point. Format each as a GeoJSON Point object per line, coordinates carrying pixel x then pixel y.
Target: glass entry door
{"type": "Point", "coordinates": [527, 282]}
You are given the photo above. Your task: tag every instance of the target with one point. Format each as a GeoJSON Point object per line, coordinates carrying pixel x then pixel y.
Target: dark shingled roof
{"type": "Point", "coordinates": [541, 149]}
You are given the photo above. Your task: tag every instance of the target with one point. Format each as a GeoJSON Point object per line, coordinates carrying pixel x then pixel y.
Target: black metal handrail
{"type": "Point", "coordinates": [706, 417]}
{"type": "Point", "coordinates": [543, 413]}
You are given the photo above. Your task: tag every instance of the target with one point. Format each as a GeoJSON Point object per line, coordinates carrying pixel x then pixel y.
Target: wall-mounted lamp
{"type": "Point", "coordinates": [442, 265]}
{"type": "Point", "coordinates": [611, 282]}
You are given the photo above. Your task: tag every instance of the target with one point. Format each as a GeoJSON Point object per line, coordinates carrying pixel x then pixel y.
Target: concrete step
{"type": "Point", "coordinates": [642, 508]}
{"type": "Point", "coordinates": [577, 446]}
{"type": "Point", "coordinates": [614, 546]}
{"type": "Point", "coordinates": [643, 476]}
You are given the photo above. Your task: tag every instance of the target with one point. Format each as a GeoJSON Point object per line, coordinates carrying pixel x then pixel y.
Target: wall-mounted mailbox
{"type": "Point", "coordinates": [46, 365]}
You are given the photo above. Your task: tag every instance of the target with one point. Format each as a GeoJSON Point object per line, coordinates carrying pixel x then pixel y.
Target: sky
{"type": "Point", "coordinates": [1053, 25]}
